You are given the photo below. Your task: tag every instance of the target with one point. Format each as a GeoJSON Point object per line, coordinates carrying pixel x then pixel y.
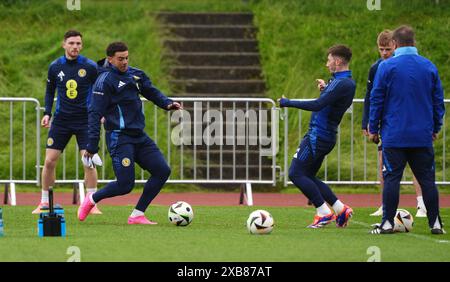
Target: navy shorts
{"type": "Point", "coordinates": [126, 150]}
{"type": "Point", "coordinates": [61, 132]}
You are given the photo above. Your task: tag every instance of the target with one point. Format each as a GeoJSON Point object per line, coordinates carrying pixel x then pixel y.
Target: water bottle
{"type": "Point", "coordinates": [1, 222]}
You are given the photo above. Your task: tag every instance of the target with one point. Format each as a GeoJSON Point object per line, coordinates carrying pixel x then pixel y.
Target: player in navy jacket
{"type": "Point", "coordinates": [407, 102]}
{"type": "Point", "coordinates": [72, 76]}
{"type": "Point", "coordinates": [328, 110]}
{"type": "Point", "coordinates": [116, 97]}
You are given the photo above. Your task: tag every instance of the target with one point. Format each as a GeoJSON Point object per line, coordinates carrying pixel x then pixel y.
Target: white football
{"type": "Point", "coordinates": [403, 221]}
{"type": "Point", "coordinates": [180, 213]}
{"type": "Point", "coordinates": [260, 222]}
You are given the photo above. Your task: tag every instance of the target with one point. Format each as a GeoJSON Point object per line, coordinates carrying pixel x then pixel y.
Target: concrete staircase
{"type": "Point", "coordinates": [216, 55]}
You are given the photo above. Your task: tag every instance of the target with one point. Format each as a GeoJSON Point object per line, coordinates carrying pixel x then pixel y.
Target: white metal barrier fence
{"type": "Point", "coordinates": [216, 144]}
{"type": "Point", "coordinates": [238, 159]}
{"type": "Point", "coordinates": [15, 160]}
{"type": "Point", "coordinates": [354, 160]}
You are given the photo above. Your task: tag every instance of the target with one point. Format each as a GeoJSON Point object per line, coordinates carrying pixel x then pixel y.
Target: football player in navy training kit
{"type": "Point", "coordinates": [328, 109]}
{"type": "Point", "coordinates": [72, 76]}
{"type": "Point", "coordinates": [116, 97]}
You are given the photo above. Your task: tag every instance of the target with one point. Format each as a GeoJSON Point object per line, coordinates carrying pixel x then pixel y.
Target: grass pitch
{"type": "Point", "coordinates": [217, 234]}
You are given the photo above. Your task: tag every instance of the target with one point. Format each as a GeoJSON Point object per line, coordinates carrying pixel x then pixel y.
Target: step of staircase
{"type": "Point", "coordinates": [224, 108]}
{"type": "Point", "coordinates": [212, 31]}
{"type": "Point", "coordinates": [218, 72]}
{"type": "Point", "coordinates": [219, 86]}
{"type": "Point", "coordinates": [206, 18]}
{"type": "Point", "coordinates": [230, 172]}
{"type": "Point", "coordinates": [208, 95]}
{"type": "Point", "coordinates": [211, 45]}
{"type": "Point", "coordinates": [254, 157]}
{"type": "Point", "coordinates": [216, 58]}
{"type": "Point", "coordinates": [225, 147]}
{"type": "Point", "coordinates": [226, 105]}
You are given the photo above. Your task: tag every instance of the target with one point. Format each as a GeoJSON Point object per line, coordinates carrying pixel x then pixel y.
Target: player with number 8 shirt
{"type": "Point", "coordinates": [72, 76]}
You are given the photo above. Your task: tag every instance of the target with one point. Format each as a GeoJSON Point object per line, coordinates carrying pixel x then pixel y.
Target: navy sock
{"type": "Point", "coordinates": [151, 189]}
{"type": "Point", "coordinates": [112, 189]}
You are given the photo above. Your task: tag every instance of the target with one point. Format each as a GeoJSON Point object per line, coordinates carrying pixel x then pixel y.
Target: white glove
{"type": "Point", "coordinates": [96, 160]}
{"type": "Point", "coordinates": [92, 162]}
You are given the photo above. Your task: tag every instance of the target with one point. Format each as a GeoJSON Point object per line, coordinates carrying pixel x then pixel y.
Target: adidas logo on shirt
{"type": "Point", "coordinates": [121, 83]}
{"type": "Point", "coordinates": [61, 75]}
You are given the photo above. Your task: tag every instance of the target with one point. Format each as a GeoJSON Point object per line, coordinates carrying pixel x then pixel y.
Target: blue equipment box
{"type": "Point", "coordinates": [52, 224]}
{"type": "Point", "coordinates": [51, 219]}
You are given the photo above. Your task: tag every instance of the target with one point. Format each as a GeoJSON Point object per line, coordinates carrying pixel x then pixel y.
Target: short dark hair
{"type": "Point", "coordinates": [72, 33]}
{"type": "Point", "coordinates": [114, 47]}
{"type": "Point", "coordinates": [404, 36]}
{"type": "Point", "coordinates": [341, 51]}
